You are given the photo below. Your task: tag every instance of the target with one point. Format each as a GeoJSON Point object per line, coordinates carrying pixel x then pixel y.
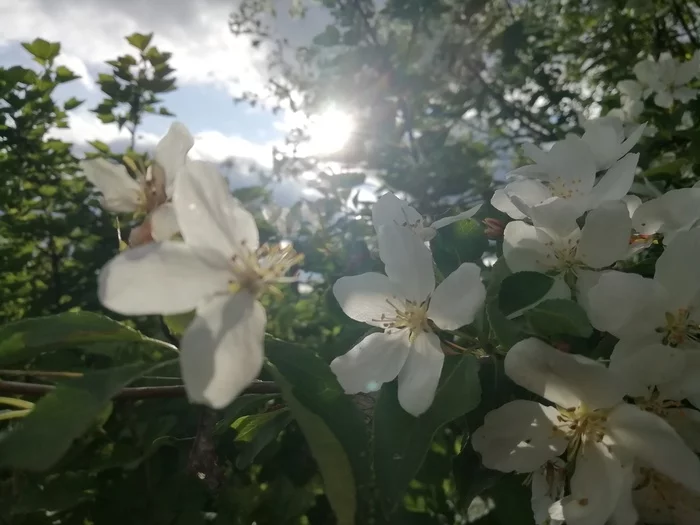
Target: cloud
{"type": "Point", "coordinates": [215, 146]}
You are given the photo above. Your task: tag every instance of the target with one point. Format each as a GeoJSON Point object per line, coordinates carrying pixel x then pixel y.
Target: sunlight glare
{"type": "Point", "coordinates": [330, 131]}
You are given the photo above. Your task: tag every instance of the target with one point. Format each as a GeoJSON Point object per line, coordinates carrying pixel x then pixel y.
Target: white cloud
{"type": "Point", "coordinates": [215, 146]}
{"type": "Point", "coordinates": [91, 31]}
{"type": "Point", "coordinates": [77, 66]}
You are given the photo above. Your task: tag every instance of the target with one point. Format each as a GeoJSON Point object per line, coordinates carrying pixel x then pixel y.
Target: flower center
{"type": "Point", "coordinates": [679, 327]}
{"type": "Point", "coordinates": [581, 425]}
{"type": "Point", "coordinates": [257, 271]}
{"type": "Point", "coordinates": [410, 315]}
{"type": "Point", "coordinates": [562, 188]}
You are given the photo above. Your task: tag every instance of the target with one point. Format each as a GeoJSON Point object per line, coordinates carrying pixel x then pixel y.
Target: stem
{"type": "Point", "coordinates": [17, 403]}
{"type": "Point", "coordinates": [141, 392]}
{"type": "Point", "coordinates": [13, 414]}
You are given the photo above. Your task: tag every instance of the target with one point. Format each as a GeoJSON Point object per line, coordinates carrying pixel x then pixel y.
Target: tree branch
{"type": "Point", "coordinates": [141, 392]}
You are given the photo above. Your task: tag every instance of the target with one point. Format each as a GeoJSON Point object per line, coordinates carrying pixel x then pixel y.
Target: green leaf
{"type": "Point", "coordinates": [506, 331]}
{"type": "Point", "coordinates": [139, 40]}
{"type": "Point", "coordinates": [42, 50]}
{"type": "Point", "coordinates": [401, 440]}
{"type": "Point", "coordinates": [522, 289]}
{"type": "Point", "coordinates": [559, 317]}
{"type": "Point", "coordinates": [177, 324]}
{"type": "Point", "coordinates": [332, 424]}
{"type": "Point", "coordinates": [63, 74]}
{"type": "Point", "coordinates": [26, 339]}
{"type": "Point", "coordinates": [63, 415]}
{"type": "Point", "coordinates": [258, 431]}
{"type": "Point", "coordinates": [100, 146]}
{"type": "Point", "coordinates": [72, 103]}
{"type": "Point", "coordinates": [457, 243]}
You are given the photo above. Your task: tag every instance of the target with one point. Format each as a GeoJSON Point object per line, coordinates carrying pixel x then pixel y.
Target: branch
{"type": "Point", "coordinates": [141, 392]}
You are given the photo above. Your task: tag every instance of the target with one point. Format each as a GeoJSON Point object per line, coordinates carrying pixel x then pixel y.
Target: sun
{"type": "Point", "coordinates": [329, 131]}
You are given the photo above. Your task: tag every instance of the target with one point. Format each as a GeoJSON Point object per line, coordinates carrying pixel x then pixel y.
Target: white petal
{"type": "Point", "coordinates": [526, 248]}
{"type": "Point", "coordinates": [632, 202]}
{"type": "Point", "coordinates": [222, 348]}
{"type": "Point", "coordinates": [418, 379]}
{"type": "Point", "coordinates": [389, 209]}
{"type": "Point", "coordinates": [501, 201]}
{"type": "Point", "coordinates": [120, 193]}
{"type": "Point", "coordinates": [164, 225]}
{"type": "Point", "coordinates": [160, 278]}
{"type": "Point", "coordinates": [564, 379]}
{"type": "Point", "coordinates": [685, 94]}
{"type": "Point", "coordinates": [654, 441]}
{"type": "Point", "coordinates": [663, 99]}
{"type": "Point", "coordinates": [530, 192]}
{"type": "Point", "coordinates": [171, 153]}
{"type": "Point", "coordinates": [640, 367]}
{"type": "Point", "coordinates": [208, 214]}
{"type": "Point", "coordinates": [675, 210]}
{"type": "Point", "coordinates": [678, 269]}
{"type": "Point", "coordinates": [374, 361]}
{"type": "Point", "coordinates": [556, 213]}
{"type": "Point", "coordinates": [687, 386]}
{"type": "Point", "coordinates": [605, 235]}
{"type": "Point", "coordinates": [632, 140]}
{"type": "Point", "coordinates": [441, 223]}
{"type": "Point", "coordinates": [685, 72]}
{"type": "Point", "coordinates": [457, 300]}
{"type": "Point", "coordinates": [625, 304]}
{"type": "Point", "coordinates": [519, 437]}
{"type": "Point", "coordinates": [366, 297]}
{"type": "Point", "coordinates": [631, 88]}
{"type": "Point", "coordinates": [625, 512]}
{"type": "Point", "coordinates": [407, 261]}
{"type": "Point", "coordinates": [616, 182]}
{"type": "Point", "coordinates": [572, 164]}
{"type": "Point", "coordinates": [604, 143]}
{"type": "Point", "coordinates": [537, 155]}
{"type": "Point", "coordinates": [647, 72]}
{"type": "Point", "coordinates": [596, 487]}
{"type": "Point", "coordinates": [685, 421]}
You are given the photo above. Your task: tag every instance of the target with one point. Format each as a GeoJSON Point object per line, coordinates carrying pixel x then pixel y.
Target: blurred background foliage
{"type": "Point", "coordinates": [442, 92]}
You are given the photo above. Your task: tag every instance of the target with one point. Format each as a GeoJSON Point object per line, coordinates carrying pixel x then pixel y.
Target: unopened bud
{"type": "Point", "coordinates": [494, 228]}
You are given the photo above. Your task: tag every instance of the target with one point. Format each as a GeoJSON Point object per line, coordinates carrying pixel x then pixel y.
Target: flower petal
{"type": "Point", "coordinates": [678, 271]}
{"type": "Point", "coordinates": [164, 225]}
{"type": "Point", "coordinates": [663, 99]}
{"type": "Point", "coordinates": [171, 153]}
{"type": "Point", "coordinates": [120, 193]}
{"type": "Point", "coordinates": [208, 214]}
{"type": "Point", "coordinates": [160, 278]}
{"type": "Point", "coordinates": [457, 300]}
{"type": "Point", "coordinates": [519, 437]}
{"type": "Point", "coordinates": [407, 261]}
{"type": "Point", "coordinates": [222, 349]}
{"type": "Point", "coordinates": [366, 297]}
{"type": "Point", "coordinates": [604, 142]}
{"type": "Point", "coordinates": [596, 487]}
{"type": "Point", "coordinates": [556, 213]}
{"type": "Point", "coordinates": [675, 210]}
{"type": "Point", "coordinates": [419, 377]}
{"type": "Point", "coordinates": [374, 361]}
{"type": "Point", "coordinates": [564, 379]}
{"type": "Point", "coordinates": [605, 235]}
{"type": "Point", "coordinates": [389, 209]}
{"type": "Point", "coordinates": [445, 221]}
{"type": "Point", "coordinates": [501, 201]}
{"type": "Point", "coordinates": [652, 440]}
{"type": "Point", "coordinates": [616, 182]}
{"type": "Point", "coordinates": [641, 367]}
{"type": "Point", "coordinates": [625, 304]}
{"type": "Point", "coordinates": [686, 422]}
{"type": "Point", "coordinates": [526, 248]}
{"type": "Point", "coordinates": [548, 486]}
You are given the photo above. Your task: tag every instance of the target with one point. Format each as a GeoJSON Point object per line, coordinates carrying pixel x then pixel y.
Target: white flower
{"type": "Point", "coordinates": [673, 212]}
{"type": "Point", "coordinates": [404, 302]}
{"type": "Point", "coordinates": [389, 209]}
{"type": "Point", "coordinates": [568, 187]}
{"type": "Point", "coordinates": [667, 78]}
{"type": "Point", "coordinates": [606, 138]}
{"type": "Point", "coordinates": [599, 433]}
{"type": "Point", "coordinates": [603, 240]}
{"type": "Point", "coordinates": [660, 500]}
{"type": "Point", "coordinates": [665, 309]}
{"type": "Point", "coordinates": [151, 193]}
{"type": "Point", "coordinates": [220, 270]}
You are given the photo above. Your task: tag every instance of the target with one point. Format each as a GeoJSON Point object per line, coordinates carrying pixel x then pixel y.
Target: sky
{"type": "Point", "coordinates": [212, 66]}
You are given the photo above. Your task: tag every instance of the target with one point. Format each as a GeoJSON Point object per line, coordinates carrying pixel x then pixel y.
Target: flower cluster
{"type": "Point", "coordinates": [215, 266]}
{"type": "Point", "coordinates": [611, 441]}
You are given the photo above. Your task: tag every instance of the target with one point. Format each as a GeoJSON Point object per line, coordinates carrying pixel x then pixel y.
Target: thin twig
{"type": "Point", "coordinates": [140, 392]}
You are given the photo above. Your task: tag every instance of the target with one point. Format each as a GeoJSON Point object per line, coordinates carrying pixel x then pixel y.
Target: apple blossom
{"type": "Point", "coordinates": [149, 195]}
{"type": "Point", "coordinates": [389, 209]}
{"type": "Point", "coordinates": [660, 500]}
{"type": "Point", "coordinates": [568, 187]}
{"type": "Point", "coordinates": [405, 304]}
{"type": "Point", "coordinates": [673, 212]}
{"type": "Point", "coordinates": [603, 240]}
{"type": "Point", "coordinates": [220, 270]}
{"type": "Point", "coordinates": [605, 137]}
{"type": "Point", "coordinates": [596, 431]}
